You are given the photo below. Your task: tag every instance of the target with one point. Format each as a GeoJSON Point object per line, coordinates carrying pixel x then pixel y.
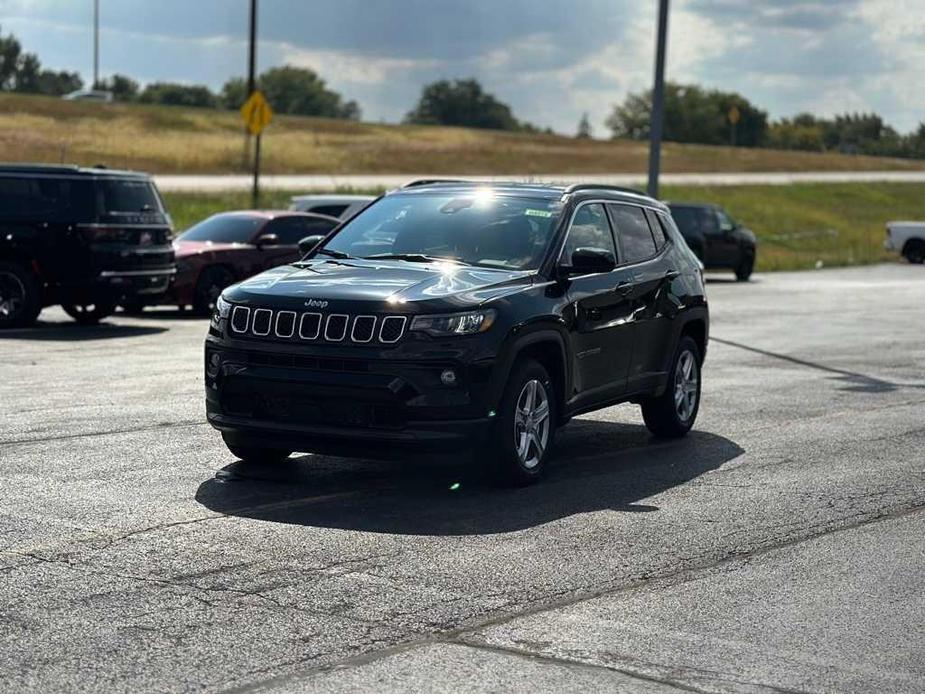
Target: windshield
{"type": "Point", "coordinates": [475, 228]}
{"type": "Point", "coordinates": [224, 228]}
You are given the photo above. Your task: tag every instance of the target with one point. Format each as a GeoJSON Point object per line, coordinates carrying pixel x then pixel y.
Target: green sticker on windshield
{"type": "Point", "coordinates": [537, 213]}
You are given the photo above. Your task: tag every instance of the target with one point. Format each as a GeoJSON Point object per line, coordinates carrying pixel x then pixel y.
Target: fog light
{"type": "Point", "coordinates": [448, 377]}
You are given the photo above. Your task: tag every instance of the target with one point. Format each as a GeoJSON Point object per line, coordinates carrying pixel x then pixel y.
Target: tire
{"type": "Point", "coordinates": [915, 252]}
{"type": "Point", "coordinates": [90, 313]}
{"type": "Point", "coordinates": [133, 306]}
{"type": "Point", "coordinates": [20, 296]}
{"type": "Point", "coordinates": [258, 455]}
{"type": "Point", "coordinates": [667, 416]}
{"type": "Point", "coordinates": [745, 268]}
{"type": "Point", "coordinates": [212, 280]}
{"type": "Point", "coordinates": [515, 458]}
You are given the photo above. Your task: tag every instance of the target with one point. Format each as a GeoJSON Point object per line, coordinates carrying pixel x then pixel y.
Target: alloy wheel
{"type": "Point", "coordinates": [12, 295]}
{"type": "Point", "coordinates": [686, 380]}
{"type": "Point", "coordinates": [531, 424]}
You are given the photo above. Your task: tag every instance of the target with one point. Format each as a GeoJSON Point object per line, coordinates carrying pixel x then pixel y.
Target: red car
{"type": "Point", "coordinates": [231, 246]}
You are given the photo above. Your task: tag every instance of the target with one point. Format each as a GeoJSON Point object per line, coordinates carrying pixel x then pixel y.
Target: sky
{"type": "Point", "coordinates": [551, 60]}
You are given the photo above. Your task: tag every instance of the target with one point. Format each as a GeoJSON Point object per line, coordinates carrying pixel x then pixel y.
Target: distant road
{"type": "Point", "coordinates": [315, 182]}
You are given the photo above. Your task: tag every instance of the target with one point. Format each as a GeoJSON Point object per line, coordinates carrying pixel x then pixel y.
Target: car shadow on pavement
{"type": "Point", "coordinates": [73, 332]}
{"type": "Point", "coordinates": [599, 465]}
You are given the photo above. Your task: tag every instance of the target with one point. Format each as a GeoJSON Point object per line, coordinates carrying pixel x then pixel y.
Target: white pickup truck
{"type": "Point", "coordinates": [908, 238]}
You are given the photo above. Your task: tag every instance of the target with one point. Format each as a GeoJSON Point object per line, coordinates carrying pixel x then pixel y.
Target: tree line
{"type": "Point", "coordinates": [692, 114]}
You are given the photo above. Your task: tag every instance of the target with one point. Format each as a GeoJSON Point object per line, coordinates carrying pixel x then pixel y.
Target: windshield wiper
{"type": "Point", "coordinates": [414, 258]}
{"type": "Point", "coordinates": [334, 254]}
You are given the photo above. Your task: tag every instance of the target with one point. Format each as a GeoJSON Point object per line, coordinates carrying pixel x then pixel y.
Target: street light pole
{"type": "Point", "coordinates": [251, 86]}
{"type": "Point", "coordinates": [96, 44]}
{"type": "Point", "coordinates": [658, 101]}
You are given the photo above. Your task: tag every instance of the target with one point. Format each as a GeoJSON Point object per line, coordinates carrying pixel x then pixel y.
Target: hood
{"type": "Point", "coordinates": [184, 249]}
{"type": "Point", "coordinates": [376, 285]}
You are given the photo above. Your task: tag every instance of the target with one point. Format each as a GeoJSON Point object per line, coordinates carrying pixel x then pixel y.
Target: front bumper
{"type": "Point", "coordinates": [319, 401]}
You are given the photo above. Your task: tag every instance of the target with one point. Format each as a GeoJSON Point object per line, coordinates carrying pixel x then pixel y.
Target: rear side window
{"type": "Point", "coordinates": [633, 231]}
{"type": "Point", "coordinates": [658, 231]}
{"type": "Point", "coordinates": [590, 229]}
{"type": "Point", "coordinates": [46, 199]}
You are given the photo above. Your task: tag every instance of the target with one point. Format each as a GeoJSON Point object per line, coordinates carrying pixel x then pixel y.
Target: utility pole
{"type": "Point", "coordinates": [658, 101]}
{"type": "Point", "coordinates": [251, 86]}
{"type": "Point", "coordinates": [96, 44]}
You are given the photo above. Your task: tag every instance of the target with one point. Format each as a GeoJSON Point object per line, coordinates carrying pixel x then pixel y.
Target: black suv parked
{"type": "Point", "coordinates": [715, 237]}
{"type": "Point", "coordinates": [82, 238]}
{"type": "Point", "coordinates": [463, 316]}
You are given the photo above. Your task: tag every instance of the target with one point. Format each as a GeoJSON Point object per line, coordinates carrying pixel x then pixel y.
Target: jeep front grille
{"type": "Point", "coordinates": [316, 327]}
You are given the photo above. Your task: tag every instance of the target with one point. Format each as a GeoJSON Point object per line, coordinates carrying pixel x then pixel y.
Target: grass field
{"type": "Point", "coordinates": [798, 226]}
{"type": "Point", "coordinates": [166, 139]}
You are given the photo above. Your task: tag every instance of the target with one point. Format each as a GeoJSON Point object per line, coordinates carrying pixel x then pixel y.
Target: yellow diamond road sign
{"type": "Point", "coordinates": [256, 112]}
{"type": "Point", "coordinates": [734, 114]}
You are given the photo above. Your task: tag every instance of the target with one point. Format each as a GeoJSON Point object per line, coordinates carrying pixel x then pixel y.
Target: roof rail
{"type": "Point", "coordinates": [428, 181]}
{"type": "Point", "coordinates": [601, 186]}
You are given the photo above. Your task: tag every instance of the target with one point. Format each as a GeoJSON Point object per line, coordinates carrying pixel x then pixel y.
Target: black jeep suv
{"type": "Point", "coordinates": [716, 238]}
{"type": "Point", "coordinates": [82, 238]}
{"type": "Point", "coordinates": [463, 316]}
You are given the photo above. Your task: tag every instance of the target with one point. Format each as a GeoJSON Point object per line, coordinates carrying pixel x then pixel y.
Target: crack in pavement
{"type": "Point", "coordinates": [91, 434]}
{"type": "Point", "coordinates": [580, 595]}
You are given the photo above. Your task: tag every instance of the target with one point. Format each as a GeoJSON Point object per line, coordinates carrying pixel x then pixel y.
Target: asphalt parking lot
{"type": "Point", "coordinates": [779, 547]}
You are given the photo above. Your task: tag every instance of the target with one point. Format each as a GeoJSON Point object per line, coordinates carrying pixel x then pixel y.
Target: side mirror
{"type": "Point", "coordinates": [307, 245]}
{"type": "Point", "coordinates": [267, 240]}
{"type": "Point", "coordinates": [587, 261]}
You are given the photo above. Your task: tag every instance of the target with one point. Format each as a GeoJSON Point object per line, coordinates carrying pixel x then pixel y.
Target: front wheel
{"type": "Point", "coordinates": [209, 287]}
{"type": "Point", "coordinates": [253, 453]}
{"type": "Point", "coordinates": [522, 438]}
{"type": "Point", "coordinates": [89, 313]}
{"type": "Point", "coordinates": [20, 296]}
{"type": "Point", "coordinates": [672, 414]}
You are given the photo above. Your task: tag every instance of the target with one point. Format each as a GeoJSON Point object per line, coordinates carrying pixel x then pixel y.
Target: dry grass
{"type": "Point", "coordinates": [163, 139]}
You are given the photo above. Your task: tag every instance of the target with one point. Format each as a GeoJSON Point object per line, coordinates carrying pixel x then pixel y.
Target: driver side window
{"type": "Point", "coordinates": [590, 229]}
{"type": "Point", "coordinates": [725, 222]}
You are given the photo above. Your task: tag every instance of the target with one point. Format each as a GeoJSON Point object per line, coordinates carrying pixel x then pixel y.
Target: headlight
{"type": "Point", "coordinates": [220, 313]}
{"type": "Point", "coordinates": [455, 323]}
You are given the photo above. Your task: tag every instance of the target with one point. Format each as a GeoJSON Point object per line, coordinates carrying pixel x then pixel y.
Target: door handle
{"type": "Point", "coordinates": [672, 275]}
{"type": "Point", "coordinates": [624, 288]}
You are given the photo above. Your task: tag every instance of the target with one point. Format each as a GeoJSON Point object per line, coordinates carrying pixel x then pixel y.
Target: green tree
{"type": "Point", "coordinates": [464, 103]}
{"type": "Point", "coordinates": [10, 50]}
{"type": "Point", "coordinates": [234, 93]}
{"type": "Point", "coordinates": [300, 91]}
{"type": "Point", "coordinates": [584, 127]}
{"type": "Point", "coordinates": [123, 88]}
{"type": "Point", "coordinates": [691, 114]}
{"type": "Point", "coordinates": [174, 94]}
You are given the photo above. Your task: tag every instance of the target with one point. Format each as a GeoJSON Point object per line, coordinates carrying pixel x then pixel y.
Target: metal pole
{"type": "Point", "coordinates": [255, 193]}
{"type": "Point", "coordinates": [251, 85]}
{"type": "Point", "coordinates": [96, 44]}
{"type": "Point", "coordinates": [658, 101]}
{"type": "Point", "coordinates": [251, 78]}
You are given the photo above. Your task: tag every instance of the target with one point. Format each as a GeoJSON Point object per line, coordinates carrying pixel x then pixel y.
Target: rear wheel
{"type": "Point", "coordinates": [745, 268]}
{"type": "Point", "coordinates": [20, 296]}
{"type": "Point", "coordinates": [90, 313]}
{"type": "Point", "coordinates": [523, 435]}
{"type": "Point", "coordinates": [254, 453]}
{"type": "Point", "coordinates": [915, 252]}
{"type": "Point", "coordinates": [211, 282]}
{"type": "Point", "coordinates": [672, 414]}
